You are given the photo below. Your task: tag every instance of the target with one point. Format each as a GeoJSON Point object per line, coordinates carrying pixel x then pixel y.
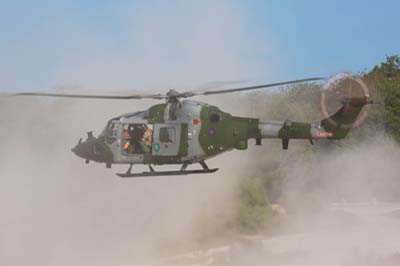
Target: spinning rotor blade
{"type": "Point", "coordinates": [172, 94]}
{"type": "Point", "coordinates": [89, 96]}
{"type": "Point", "coordinates": [217, 84]}
{"type": "Point", "coordinates": [211, 92]}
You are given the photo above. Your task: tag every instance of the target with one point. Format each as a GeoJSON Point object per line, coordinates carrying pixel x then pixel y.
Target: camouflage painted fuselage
{"type": "Point", "coordinates": [203, 131]}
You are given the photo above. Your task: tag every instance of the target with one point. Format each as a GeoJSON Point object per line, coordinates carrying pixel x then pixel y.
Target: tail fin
{"type": "Point", "coordinates": [340, 123]}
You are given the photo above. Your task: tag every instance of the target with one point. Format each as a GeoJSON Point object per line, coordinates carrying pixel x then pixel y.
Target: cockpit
{"type": "Point", "coordinates": [110, 131]}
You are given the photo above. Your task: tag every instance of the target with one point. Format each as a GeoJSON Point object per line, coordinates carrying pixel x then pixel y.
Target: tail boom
{"type": "Point", "coordinates": [337, 126]}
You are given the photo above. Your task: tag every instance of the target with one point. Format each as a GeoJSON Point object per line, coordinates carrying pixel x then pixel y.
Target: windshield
{"type": "Point", "coordinates": [109, 131]}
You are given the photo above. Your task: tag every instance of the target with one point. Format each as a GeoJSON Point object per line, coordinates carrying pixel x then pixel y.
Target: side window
{"type": "Point", "coordinates": [136, 138]}
{"type": "Point", "coordinates": [167, 135]}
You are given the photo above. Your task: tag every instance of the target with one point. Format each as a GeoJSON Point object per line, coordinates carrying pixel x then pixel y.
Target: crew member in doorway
{"type": "Point", "coordinates": [145, 142]}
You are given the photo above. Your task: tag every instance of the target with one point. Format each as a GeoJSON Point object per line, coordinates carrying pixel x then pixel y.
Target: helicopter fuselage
{"type": "Point", "coordinates": [191, 133]}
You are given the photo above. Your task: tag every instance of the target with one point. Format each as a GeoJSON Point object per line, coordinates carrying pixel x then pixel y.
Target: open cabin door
{"type": "Point", "coordinates": [136, 139]}
{"type": "Point", "coordinates": [169, 139]}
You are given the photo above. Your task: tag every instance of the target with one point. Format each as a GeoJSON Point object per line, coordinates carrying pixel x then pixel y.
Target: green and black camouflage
{"type": "Point", "coordinates": [203, 131]}
{"type": "Point", "coordinates": [187, 132]}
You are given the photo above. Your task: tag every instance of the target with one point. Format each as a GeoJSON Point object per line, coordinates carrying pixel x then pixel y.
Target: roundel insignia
{"type": "Point", "coordinates": [156, 146]}
{"type": "Point", "coordinates": [211, 131]}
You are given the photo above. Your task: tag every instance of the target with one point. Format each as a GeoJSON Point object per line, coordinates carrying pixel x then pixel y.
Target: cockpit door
{"type": "Point", "coordinates": [167, 139]}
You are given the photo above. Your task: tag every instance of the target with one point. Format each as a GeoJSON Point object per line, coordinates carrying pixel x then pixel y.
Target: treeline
{"type": "Point", "coordinates": [384, 81]}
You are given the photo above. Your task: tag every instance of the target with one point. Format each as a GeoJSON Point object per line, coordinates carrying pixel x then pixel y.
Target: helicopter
{"type": "Point", "coordinates": [183, 132]}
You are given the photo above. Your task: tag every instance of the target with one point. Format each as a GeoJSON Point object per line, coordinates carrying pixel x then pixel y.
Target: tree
{"type": "Point", "coordinates": [385, 80]}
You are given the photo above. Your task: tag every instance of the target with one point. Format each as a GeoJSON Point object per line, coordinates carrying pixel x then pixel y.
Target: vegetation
{"type": "Point", "coordinates": [385, 80]}
{"type": "Point", "coordinates": [254, 211]}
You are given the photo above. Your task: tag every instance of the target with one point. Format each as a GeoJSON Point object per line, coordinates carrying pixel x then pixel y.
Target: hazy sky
{"type": "Point", "coordinates": [146, 44]}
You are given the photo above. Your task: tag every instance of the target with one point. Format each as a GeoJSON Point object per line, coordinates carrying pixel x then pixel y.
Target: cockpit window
{"type": "Point", "coordinates": [110, 132]}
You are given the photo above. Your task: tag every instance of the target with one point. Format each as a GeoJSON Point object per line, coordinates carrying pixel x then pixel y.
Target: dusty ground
{"type": "Point", "coordinates": [56, 210]}
{"type": "Point", "coordinates": [347, 234]}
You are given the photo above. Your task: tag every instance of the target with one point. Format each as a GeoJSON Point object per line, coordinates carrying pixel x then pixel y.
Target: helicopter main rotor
{"type": "Point", "coordinates": [171, 96]}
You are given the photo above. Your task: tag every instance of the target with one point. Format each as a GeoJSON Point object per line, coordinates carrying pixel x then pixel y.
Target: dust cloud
{"type": "Point", "coordinates": [341, 201]}
{"type": "Point", "coordinates": [344, 203]}
{"type": "Point", "coordinates": [353, 172]}
{"type": "Point", "coordinates": [341, 198]}
{"type": "Point", "coordinates": [58, 211]}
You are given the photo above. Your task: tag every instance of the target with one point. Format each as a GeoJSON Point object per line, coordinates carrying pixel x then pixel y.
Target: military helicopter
{"type": "Point", "coordinates": [184, 132]}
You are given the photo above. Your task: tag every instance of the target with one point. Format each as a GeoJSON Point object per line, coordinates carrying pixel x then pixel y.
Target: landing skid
{"type": "Point", "coordinates": [183, 171]}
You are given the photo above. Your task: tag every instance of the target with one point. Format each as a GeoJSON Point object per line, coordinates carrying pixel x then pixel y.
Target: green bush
{"type": "Point", "coordinates": [254, 211]}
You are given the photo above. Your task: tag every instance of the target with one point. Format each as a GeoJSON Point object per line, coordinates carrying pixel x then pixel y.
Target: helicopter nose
{"type": "Point", "coordinates": [84, 148]}
{"type": "Point", "coordinates": [93, 149]}
{"type": "Point", "coordinates": [80, 150]}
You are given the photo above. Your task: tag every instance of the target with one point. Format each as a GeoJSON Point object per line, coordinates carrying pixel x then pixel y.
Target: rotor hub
{"type": "Point", "coordinates": [172, 96]}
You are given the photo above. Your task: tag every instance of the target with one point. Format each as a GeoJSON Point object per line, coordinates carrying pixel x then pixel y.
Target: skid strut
{"type": "Point", "coordinates": [182, 171]}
